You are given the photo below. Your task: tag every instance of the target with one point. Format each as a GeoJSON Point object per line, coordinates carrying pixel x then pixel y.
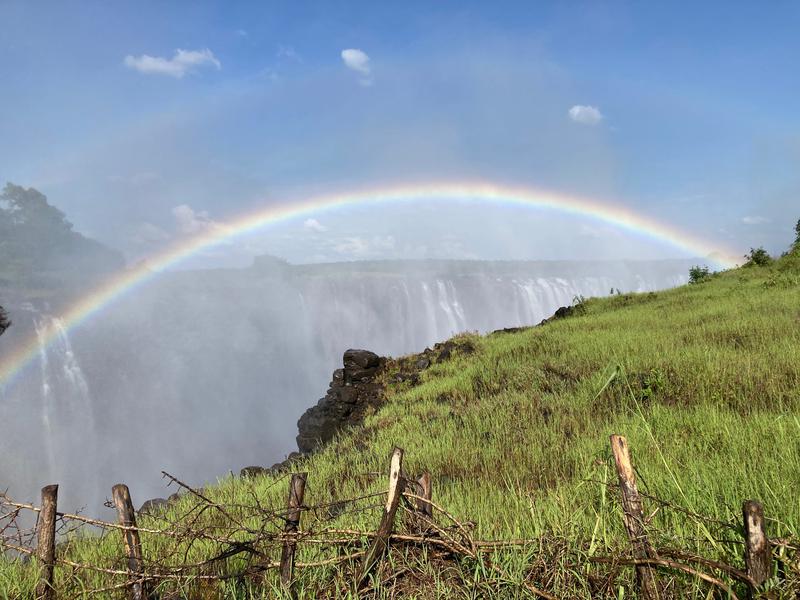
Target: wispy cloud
{"type": "Point", "coordinates": [358, 61]}
{"type": "Point", "coordinates": [754, 220]}
{"type": "Point", "coordinates": [189, 221]}
{"type": "Point", "coordinates": [289, 53]}
{"type": "Point", "coordinates": [183, 62]}
{"type": "Point", "coordinates": [314, 225]}
{"type": "Point", "coordinates": [586, 115]}
{"type": "Point", "coordinates": [361, 247]}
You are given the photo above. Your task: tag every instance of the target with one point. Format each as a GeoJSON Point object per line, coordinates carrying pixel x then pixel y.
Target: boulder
{"type": "Point", "coordinates": [561, 313]}
{"type": "Point", "coordinates": [253, 471]}
{"type": "Point", "coordinates": [360, 365]}
{"type": "Point", "coordinates": [564, 312]}
{"type": "Point", "coordinates": [152, 506]}
{"type": "Point", "coordinates": [364, 359]}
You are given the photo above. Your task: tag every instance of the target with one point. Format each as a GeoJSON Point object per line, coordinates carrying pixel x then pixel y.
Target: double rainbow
{"type": "Point", "coordinates": [481, 193]}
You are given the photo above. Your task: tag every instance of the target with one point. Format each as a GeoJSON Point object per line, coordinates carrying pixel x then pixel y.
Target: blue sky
{"type": "Point", "coordinates": [687, 112]}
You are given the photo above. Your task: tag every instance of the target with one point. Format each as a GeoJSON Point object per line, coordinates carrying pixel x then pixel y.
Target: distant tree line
{"type": "Point", "coordinates": [38, 243]}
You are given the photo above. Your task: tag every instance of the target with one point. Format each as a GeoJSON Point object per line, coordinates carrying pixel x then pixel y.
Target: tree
{"type": "Point", "coordinates": [757, 257]}
{"type": "Point", "coordinates": [797, 233]}
{"type": "Point", "coordinates": [698, 274]}
{"type": "Point", "coordinates": [31, 229]}
{"type": "Point", "coordinates": [38, 245]}
{"type": "Point", "coordinates": [4, 322]}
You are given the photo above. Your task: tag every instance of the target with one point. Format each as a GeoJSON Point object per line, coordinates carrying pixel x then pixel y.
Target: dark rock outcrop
{"type": "Point", "coordinates": [153, 506]}
{"type": "Point", "coordinates": [253, 471]}
{"type": "Point", "coordinates": [355, 389]}
{"type": "Point", "coordinates": [282, 467]}
{"type": "Point", "coordinates": [561, 313]}
{"type": "Point", "coordinates": [352, 391]}
{"type": "Point", "coordinates": [509, 330]}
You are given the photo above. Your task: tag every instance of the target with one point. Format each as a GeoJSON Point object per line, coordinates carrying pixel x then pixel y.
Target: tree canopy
{"type": "Point", "coordinates": [38, 243]}
{"type": "Point", "coordinates": [4, 322]}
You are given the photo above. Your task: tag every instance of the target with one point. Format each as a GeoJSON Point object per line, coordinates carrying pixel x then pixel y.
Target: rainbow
{"type": "Point", "coordinates": [131, 278]}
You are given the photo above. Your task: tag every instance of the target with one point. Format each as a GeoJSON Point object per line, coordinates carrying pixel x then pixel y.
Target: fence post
{"type": "Point", "coordinates": [381, 542]}
{"type": "Point", "coordinates": [633, 517]}
{"type": "Point", "coordinates": [46, 545]}
{"type": "Point", "coordinates": [757, 551]}
{"type": "Point", "coordinates": [297, 489]}
{"type": "Point", "coordinates": [133, 547]}
{"type": "Point", "coordinates": [426, 492]}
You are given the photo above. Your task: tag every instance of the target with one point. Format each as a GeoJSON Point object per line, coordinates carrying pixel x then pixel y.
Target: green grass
{"type": "Point", "coordinates": [704, 380]}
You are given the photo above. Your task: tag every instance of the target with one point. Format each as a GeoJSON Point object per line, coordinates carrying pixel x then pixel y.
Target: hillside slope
{"type": "Point", "coordinates": [704, 380]}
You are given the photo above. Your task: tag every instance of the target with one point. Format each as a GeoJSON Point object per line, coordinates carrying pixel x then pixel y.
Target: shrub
{"type": "Point", "coordinates": [578, 304]}
{"type": "Point", "coordinates": [757, 257]}
{"type": "Point", "coordinates": [4, 322]}
{"type": "Point", "coordinates": [698, 274]}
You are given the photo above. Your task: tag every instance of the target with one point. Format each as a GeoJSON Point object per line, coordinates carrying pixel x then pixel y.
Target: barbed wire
{"type": "Point", "coordinates": [253, 533]}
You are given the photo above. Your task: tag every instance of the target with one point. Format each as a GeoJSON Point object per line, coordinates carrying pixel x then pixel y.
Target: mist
{"type": "Point", "coordinates": [201, 373]}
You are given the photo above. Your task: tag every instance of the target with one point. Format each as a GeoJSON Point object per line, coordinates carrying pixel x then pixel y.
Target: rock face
{"type": "Point", "coordinates": [352, 391]}
{"type": "Point", "coordinates": [561, 313]}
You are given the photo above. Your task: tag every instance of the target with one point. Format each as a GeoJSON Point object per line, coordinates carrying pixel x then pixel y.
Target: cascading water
{"type": "Point", "coordinates": [57, 391]}
{"type": "Point", "coordinates": [199, 373]}
{"type": "Point", "coordinates": [47, 399]}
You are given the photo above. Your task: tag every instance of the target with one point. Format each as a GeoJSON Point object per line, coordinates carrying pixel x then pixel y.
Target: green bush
{"type": "Point", "coordinates": [757, 257]}
{"type": "Point", "coordinates": [4, 322]}
{"type": "Point", "coordinates": [698, 274]}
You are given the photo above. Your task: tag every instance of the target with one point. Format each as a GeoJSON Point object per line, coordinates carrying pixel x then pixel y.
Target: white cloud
{"type": "Point", "coordinates": [190, 221]}
{"type": "Point", "coordinates": [586, 115]}
{"type": "Point", "coordinates": [314, 225]}
{"type": "Point", "coordinates": [183, 62]}
{"type": "Point", "coordinates": [358, 61]}
{"type": "Point", "coordinates": [754, 220]}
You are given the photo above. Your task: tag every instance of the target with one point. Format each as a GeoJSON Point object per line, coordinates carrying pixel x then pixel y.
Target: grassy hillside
{"type": "Point", "coordinates": [704, 380]}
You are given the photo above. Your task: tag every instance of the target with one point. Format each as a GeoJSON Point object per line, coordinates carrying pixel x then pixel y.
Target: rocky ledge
{"type": "Point", "coordinates": [353, 390]}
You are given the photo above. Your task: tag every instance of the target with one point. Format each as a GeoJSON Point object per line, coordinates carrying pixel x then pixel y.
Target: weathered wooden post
{"type": "Point", "coordinates": [426, 492]}
{"type": "Point", "coordinates": [381, 542]}
{"type": "Point", "coordinates": [133, 547]}
{"type": "Point", "coordinates": [633, 517]}
{"type": "Point", "coordinates": [757, 551]}
{"type": "Point", "coordinates": [46, 545]}
{"type": "Point", "coordinates": [297, 489]}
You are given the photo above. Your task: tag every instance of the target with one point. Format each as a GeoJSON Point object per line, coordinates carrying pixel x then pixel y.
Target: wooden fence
{"type": "Point", "coordinates": [432, 527]}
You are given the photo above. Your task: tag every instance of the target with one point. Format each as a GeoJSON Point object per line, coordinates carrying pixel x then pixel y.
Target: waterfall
{"type": "Point", "coordinates": [46, 397]}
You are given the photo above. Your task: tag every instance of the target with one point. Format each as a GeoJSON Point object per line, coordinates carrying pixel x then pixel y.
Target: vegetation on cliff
{"type": "Point", "coordinates": [5, 323]}
{"type": "Point", "coordinates": [40, 250]}
{"type": "Point", "coordinates": [704, 380]}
